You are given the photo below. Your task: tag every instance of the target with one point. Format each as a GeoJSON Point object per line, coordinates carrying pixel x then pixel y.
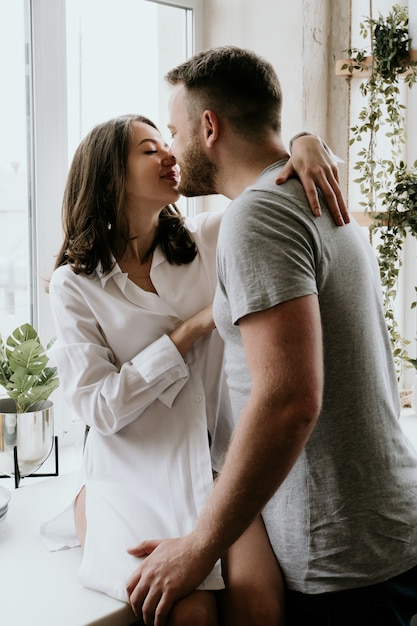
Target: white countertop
{"type": "Point", "coordinates": [40, 587]}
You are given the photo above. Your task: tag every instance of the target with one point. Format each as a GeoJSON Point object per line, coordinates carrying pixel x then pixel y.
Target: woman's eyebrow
{"type": "Point", "coordinates": [155, 141]}
{"type": "Point", "coordinates": [145, 140]}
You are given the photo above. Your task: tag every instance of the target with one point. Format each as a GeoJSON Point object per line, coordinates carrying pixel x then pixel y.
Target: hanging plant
{"type": "Point", "coordinates": [388, 186]}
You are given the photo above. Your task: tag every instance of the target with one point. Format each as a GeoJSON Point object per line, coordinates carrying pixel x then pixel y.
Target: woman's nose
{"type": "Point", "coordinates": [170, 158]}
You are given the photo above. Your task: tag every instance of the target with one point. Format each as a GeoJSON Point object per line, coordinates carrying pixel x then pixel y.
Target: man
{"type": "Point", "coordinates": [317, 446]}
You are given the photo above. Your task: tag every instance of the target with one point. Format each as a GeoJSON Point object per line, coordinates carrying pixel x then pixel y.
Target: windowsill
{"type": "Point", "coordinates": [41, 587]}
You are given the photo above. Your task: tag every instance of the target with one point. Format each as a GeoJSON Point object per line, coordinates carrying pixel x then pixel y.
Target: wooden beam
{"type": "Point", "coordinates": [365, 73]}
{"type": "Point", "coordinates": [363, 219]}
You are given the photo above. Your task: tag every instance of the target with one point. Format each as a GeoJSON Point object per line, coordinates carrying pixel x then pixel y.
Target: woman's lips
{"type": "Point", "coordinates": [172, 176]}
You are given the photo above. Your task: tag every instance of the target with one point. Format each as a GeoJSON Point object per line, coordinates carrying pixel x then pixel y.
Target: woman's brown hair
{"type": "Point", "coordinates": [93, 219]}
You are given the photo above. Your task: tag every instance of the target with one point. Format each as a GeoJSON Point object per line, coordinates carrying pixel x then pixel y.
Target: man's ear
{"type": "Point", "coordinates": [210, 127]}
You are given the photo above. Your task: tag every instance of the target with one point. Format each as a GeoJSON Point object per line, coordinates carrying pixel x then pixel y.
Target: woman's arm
{"type": "Point", "coordinates": [185, 336]}
{"type": "Point", "coordinates": [315, 165]}
{"type": "Point", "coordinates": [105, 394]}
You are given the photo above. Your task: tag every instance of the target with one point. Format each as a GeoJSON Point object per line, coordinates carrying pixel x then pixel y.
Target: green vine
{"type": "Point", "coordinates": [388, 186]}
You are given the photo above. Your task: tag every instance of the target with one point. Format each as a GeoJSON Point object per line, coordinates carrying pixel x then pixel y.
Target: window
{"type": "Point", "coordinates": [14, 172]}
{"type": "Point", "coordinates": [67, 66]}
{"type": "Point", "coordinates": [119, 67]}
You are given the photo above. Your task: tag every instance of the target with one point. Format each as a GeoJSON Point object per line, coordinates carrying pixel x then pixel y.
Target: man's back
{"type": "Point", "coordinates": [342, 518]}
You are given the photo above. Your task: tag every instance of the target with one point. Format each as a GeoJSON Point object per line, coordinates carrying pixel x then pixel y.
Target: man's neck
{"type": "Point", "coordinates": [237, 173]}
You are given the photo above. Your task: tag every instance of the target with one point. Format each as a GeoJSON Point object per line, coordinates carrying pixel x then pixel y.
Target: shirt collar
{"type": "Point", "coordinates": [104, 278]}
{"type": "Point", "coordinates": [117, 274]}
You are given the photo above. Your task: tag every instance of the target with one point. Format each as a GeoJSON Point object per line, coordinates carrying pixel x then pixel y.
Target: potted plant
{"type": "Point", "coordinates": [26, 416]}
{"type": "Point", "coordinates": [23, 369]}
{"type": "Point", "coordinates": [387, 184]}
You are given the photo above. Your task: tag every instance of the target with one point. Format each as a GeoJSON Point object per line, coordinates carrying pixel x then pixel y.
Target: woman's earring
{"type": "Point", "coordinates": [108, 226]}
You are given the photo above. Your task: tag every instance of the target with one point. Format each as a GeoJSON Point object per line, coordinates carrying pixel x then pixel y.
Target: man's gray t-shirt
{"type": "Point", "coordinates": [346, 515]}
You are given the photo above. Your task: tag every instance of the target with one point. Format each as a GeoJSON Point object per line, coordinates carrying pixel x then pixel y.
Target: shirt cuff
{"type": "Point", "coordinates": [162, 360]}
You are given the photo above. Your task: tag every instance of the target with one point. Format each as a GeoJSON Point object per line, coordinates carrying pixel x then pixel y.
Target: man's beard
{"type": "Point", "coordinates": [197, 172]}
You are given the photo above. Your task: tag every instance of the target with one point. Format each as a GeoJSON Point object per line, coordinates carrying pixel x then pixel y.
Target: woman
{"type": "Point", "coordinates": [142, 365]}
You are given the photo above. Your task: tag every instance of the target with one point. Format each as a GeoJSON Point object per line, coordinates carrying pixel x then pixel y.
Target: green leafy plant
{"type": "Point", "coordinates": [387, 184]}
{"type": "Point", "coordinates": [23, 369]}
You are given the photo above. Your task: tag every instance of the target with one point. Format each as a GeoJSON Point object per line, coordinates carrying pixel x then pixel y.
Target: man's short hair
{"type": "Point", "coordinates": [234, 83]}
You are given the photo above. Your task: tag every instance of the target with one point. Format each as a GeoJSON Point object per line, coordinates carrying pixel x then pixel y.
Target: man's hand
{"type": "Point", "coordinates": [316, 169]}
{"type": "Point", "coordinates": [171, 570]}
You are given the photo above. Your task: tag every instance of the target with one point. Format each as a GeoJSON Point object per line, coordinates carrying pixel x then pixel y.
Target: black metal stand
{"type": "Point", "coordinates": [17, 476]}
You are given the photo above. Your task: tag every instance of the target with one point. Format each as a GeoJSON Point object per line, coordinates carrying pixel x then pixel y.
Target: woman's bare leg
{"type": "Point", "coordinates": [197, 609]}
{"type": "Point", "coordinates": [79, 516]}
{"type": "Point", "coordinates": [254, 594]}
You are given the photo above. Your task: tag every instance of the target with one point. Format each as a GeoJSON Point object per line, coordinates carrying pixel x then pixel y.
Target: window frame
{"type": "Point", "coordinates": [47, 115]}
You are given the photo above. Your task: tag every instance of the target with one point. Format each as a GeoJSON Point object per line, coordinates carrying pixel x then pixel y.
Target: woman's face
{"type": "Point", "coordinates": [152, 176]}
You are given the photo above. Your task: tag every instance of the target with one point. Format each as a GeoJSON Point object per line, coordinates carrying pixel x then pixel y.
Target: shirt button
{"type": "Point", "coordinates": [198, 397]}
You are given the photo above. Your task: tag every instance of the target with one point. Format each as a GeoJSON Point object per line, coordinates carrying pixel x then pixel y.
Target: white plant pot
{"type": "Point", "coordinates": [32, 434]}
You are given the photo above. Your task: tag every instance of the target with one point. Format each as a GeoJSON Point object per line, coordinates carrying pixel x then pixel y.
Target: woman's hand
{"type": "Point", "coordinates": [192, 329]}
{"type": "Point", "coordinates": [315, 168]}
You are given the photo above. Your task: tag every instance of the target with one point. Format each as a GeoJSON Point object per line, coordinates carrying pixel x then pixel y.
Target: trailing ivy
{"type": "Point", "coordinates": [388, 186]}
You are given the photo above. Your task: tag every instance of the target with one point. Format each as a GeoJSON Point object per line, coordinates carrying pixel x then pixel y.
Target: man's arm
{"type": "Point", "coordinates": [283, 349]}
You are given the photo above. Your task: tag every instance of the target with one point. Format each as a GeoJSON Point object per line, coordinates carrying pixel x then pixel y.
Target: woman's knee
{"type": "Point", "coordinates": [266, 603]}
{"type": "Point", "coordinates": [252, 609]}
{"type": "Point", "coordinates": [265, 611]}
{"type": "Point", "coordinates": [198, 609]}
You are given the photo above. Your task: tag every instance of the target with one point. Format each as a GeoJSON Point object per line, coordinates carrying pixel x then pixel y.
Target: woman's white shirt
{"type": "Point", "coordinates": [147, 462]}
